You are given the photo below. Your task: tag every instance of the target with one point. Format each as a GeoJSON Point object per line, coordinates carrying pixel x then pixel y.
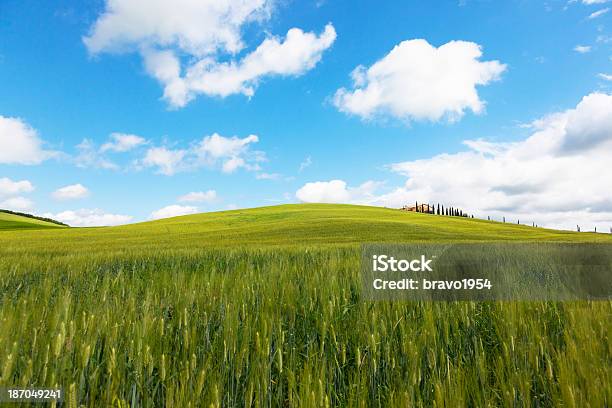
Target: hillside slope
{"type": "Point", "coordinates": [13, 221]}
{"type": "Point", "coordinates": [290, 225]}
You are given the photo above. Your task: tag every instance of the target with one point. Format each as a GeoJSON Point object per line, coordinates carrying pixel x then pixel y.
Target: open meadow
{"type": "Point", "coordinates": [262, 307]}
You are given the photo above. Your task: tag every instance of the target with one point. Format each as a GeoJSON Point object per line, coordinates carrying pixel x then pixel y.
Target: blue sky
{"type": "Point", "coordinates": [83, 71]}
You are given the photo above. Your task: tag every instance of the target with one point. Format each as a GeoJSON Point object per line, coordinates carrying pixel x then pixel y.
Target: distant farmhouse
{"type": "Point", "coordinates": [423, 208]}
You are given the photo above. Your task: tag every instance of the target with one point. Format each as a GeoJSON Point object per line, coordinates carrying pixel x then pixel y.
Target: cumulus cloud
{"type": "Point", "coordinates": [337, 191]}
{"type": "Point", "coordinates": [417, 81]}
{"type": "Point", "coordinates": [71, 192]}
{"type": "Point", "coordinates": [230, 153]}
{"type": "Point", "coordinates": [199, 32]}
{"type": "Point", "coordinates": [20, 143]}
{"type": "Point", "coordinates": [296, 54]}
{"type": "Point", "coordinates": [333, 191]}
{"type": "Point", "coordinates": [233, 152]}
{"type": "Point", "coordinates": [10, 195]}
{"type": "Point", "coordinates": [557, 177]}
{"type": "Point", "coordinates": [197, 27]}
{"type": "Point", "coordinates": [173, 211]}
{"type": "Point", "coordinates": [199, 197]}
{"type": "Point", "coordinates": [122, 142]}
{"type": "Point", "coordinates": [9, 187]}
{"type": "Point", "coordinates": [17, 203]}
{"type": "Point", "coordinates": [89, 218]}
{"type": "Point", "coordinates": [167, 161]}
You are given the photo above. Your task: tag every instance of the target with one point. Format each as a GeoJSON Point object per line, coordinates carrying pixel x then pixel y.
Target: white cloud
{"type": "Point", "coordinates": [122, 142]}
{"type": "Point", "coordinates": [231, 153]}
{"type": "Point", "coordinates": [337, 191]}
{"type": "Point", "coordinates": [172, 211]}
{"type": "Point", "coordinates": [268, 176]}
{"type": "Point", "coordinates": [298, 53]}
{"type": "Point", "coordinates": [17, 204]}
{"type": "Point", "coordinates": [202, 32]}
{"type": "Point", "coordinates": [589, 2]}
{"type": "Point", "coordinates": [557, 177]}
{"type": "Point", "coordinates": [233, 164]}
{"type": "Point", "coordinates": [20, 143]}
{"type": "Point", "coordinates": [598, 13]}
{"type": "Point", "coordinates": [88, 155]}
{"type": "Point", "coordinates": [9, 187]}
{"type": "Point", "coordinates": [71, 192]}
{"type": "Point", "coordinates": [333, 191]}
{"type": "Point", "coordinates": [89, 218]}
{"type": "Point", "coordinates": [199, 197]}
{"type": "Point", "coordinates": [604, 39]}
{"type": "Point", "coordinates": [305, 164]}
{"type": "Point", "coordinates": [197, 27]}
{"type": "Point", "coordinates": [582, 49]}
{"type": "Point", "coordinates": [217, 146]}
{"type": "Point", "coordinates": [417, 81]}
{"type": "Point", "coordinates": [10, 198]}
{"type": "Point", "coordinates": [167, 161]}
{"type": "Point", "coordinates": [607, 77]}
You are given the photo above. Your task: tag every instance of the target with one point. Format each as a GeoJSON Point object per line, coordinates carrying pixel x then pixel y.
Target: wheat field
{"type": "Point", "coordinates": [262, 308]}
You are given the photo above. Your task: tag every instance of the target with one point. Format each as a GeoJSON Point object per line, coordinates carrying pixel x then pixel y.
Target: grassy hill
{"type": "Point", "coordinates": [16, 221]}
{"type": "Point", "coordinates": [290, 225]}
{"type": "Point", "coordinates": [264, 307]}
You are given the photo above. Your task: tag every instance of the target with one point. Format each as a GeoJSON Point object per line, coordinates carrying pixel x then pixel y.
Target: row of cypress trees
{"type": "Point", "coordinates": [440, 210]}
{"type": "Point", "coordinates": [457, 212]}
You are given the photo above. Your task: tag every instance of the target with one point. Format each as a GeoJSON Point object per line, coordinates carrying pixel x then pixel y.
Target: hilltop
{"type": "Point", "coordinates": [295, 225]}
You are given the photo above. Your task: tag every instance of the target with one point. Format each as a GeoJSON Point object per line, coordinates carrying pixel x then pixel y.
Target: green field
{"type": "Point", "coordinates": [18, 222]}
{"type": "Point", "coordinates": [262, 307]}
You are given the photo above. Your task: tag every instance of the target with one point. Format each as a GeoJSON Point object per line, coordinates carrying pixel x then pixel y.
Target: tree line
{"type": "Point", "coordinates": [440, 209]}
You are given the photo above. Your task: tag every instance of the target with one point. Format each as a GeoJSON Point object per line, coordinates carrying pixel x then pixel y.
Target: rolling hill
{"type": "Point", "coordinates": [265, 307]}
{"type": "Point", "coordinates": [16, 221]}
{"type": "Point", "coordinates": [346, 224]}
{"type": "Point", "coordinates": [289, 225]}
